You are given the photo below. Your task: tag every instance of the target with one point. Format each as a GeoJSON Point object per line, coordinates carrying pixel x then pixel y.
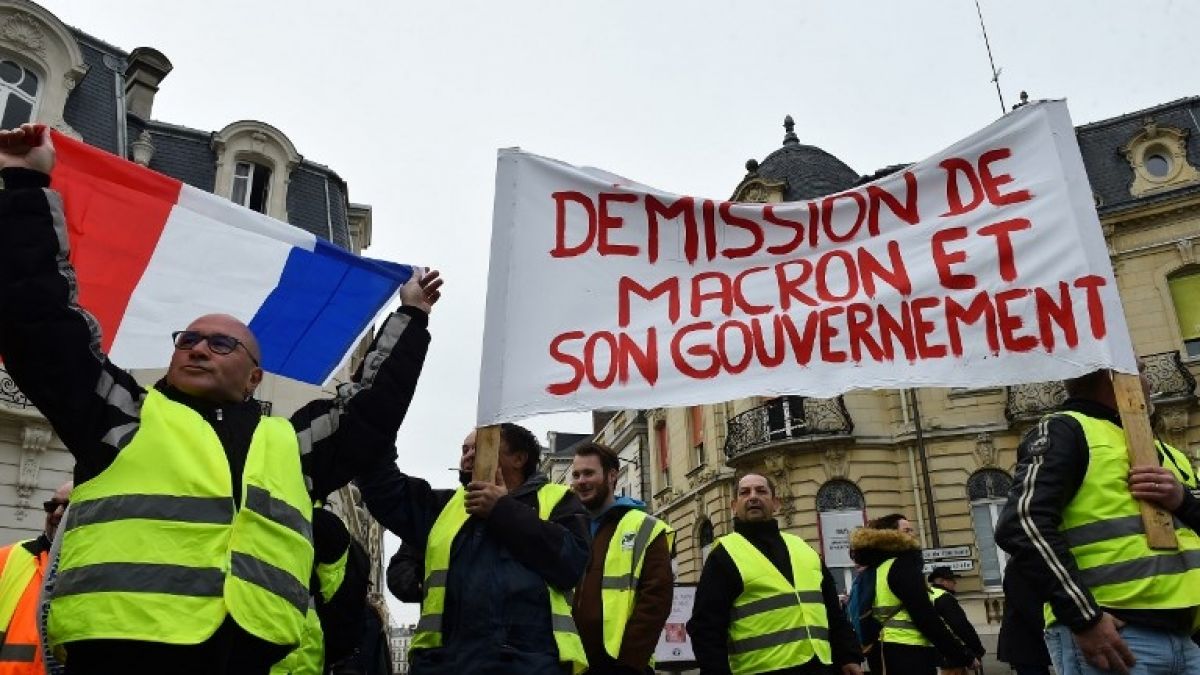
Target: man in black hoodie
{"type": "Point", "coordinates": [913, 632]}
{"type": "Point", "coordinates": [736, 613]}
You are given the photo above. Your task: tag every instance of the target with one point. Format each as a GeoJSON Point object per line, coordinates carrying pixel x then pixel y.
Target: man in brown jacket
{"type": "Point", "coordinates": [624, 598]}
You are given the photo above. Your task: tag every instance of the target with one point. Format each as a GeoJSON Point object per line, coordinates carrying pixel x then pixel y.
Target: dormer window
{"type": "Point", "coordinates": [251, 186]}
{"type": "Point", "coordinates": [1158, 156]}
{"type": "Point", "coordinates": [19, 88]}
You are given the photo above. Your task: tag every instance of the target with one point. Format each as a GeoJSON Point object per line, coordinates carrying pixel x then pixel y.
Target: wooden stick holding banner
{"type": "Point", "coordinates": [1139, 442]}
{"type": "Point", "coordinates": [487, 453]}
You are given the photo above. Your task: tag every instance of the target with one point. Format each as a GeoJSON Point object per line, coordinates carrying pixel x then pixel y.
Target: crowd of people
{"type": "Point", "coordinates": [196, 540]}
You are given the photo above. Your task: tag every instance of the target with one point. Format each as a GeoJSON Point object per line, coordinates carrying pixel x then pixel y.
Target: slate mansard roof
{"type": "Point", "coordinates": [317, 197]}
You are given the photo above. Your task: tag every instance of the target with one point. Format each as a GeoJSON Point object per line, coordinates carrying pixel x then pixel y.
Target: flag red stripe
{"type": "Point", "coordinates": [115, 211]}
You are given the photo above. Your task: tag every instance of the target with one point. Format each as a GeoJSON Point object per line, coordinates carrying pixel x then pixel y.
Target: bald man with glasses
{"type": "Point", "coordinates": [188, 548]}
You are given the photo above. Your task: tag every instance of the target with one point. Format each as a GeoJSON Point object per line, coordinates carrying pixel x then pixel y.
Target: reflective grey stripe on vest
{"type": "Point", "coordinates": [621, 583]}
{"type": "Point", "coordinates": [782, 637]}
{"type": "Point", "coordinates": [277, 581]}
{"type": "Point", "coordinates": [642, 540]}
{"type": "Point", "coordinates": [120, 577]}
{"type": "Point", "coordinates": [775, 602]}
{"type": "Point", "coordinates": [22, 653]}
{"type": "Point", "coordinates": [562, 623]}
{"type": "Point", "coordinates": [900, 624]}
{"type": "Point", "coordinates": [215, 510]}
{"type": "Point", "coordinates": [1140, 568]}
{"type": "Point", "coordinates": [277, 511]}
{"type": "Point", "coordinates": [430, 622]}
{"type": "Point", "coordinates": [436, 579]}
{"type": "Point", "coordinates": [884, 613]}
{"type": "Point", "coordinates": [1103, 530]}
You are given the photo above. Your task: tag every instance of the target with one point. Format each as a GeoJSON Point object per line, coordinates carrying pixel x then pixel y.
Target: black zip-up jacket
{"type": "Point", "coordinates": [721, 584]}
{"type": "Point", "coordinates": [1052, 460]}
{"type": "Point", "coordinates": [496, 615]}
{"type": "Point", "coordinates": [954, 616]}
{"type": "Point", "coordinates": [871, 548]}
{"type": "Point", "coordinates": [51, 348]}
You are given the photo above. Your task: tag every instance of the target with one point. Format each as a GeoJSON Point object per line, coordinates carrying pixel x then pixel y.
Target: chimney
{"type": "Point", "coordinates": [147, 68]}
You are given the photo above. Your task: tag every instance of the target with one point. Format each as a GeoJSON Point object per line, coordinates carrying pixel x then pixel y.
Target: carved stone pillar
{"type": "Point", "coordinates": [35, 438]}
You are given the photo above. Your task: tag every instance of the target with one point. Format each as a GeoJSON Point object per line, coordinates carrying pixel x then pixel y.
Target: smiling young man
{"type": "Point", "coordinates": [765, 602]}
{"type": "Point", "coordinates": [188, 548]}
{"type": "Point", "coordinates": [625, 595]}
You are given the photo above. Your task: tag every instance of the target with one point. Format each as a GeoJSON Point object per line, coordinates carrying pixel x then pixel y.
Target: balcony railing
{"type": "Point", "coordinates": [787, 418]}
{"type": "Point", "coordinates": [1170, 381]}
{"type": "Point", "coordinates": [9, 393]}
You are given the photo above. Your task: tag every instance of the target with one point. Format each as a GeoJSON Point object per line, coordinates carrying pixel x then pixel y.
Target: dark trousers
{"type": "Point", "coordinates": [230, 651]}
{"type": "Point", "coordinates": [889, 658]}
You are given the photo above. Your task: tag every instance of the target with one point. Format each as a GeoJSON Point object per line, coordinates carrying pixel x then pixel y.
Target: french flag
{"type": "Point", "coordinates": [152, 254]}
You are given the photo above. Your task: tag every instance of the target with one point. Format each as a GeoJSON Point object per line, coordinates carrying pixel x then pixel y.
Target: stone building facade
{"type": "Point", "coordinates": [83, 87]}
{"type": "Point", "coordinates": [944, 457]}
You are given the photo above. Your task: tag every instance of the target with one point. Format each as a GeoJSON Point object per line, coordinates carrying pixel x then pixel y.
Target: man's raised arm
{"type": "Point", "coordinates": [51, 345]}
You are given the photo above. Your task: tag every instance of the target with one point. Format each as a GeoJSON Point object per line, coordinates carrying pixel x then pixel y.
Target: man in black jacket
{"type": "Point", "coordinates": [942, 578]}
{"type": "Point", "coordinates": [51, 348]}
{"type": "Point", "coordinates": [754, 507]}
{"type": "Point", "coordinates": [1072, 527]}
{"type": "Point", "coordinates": [495, 617]}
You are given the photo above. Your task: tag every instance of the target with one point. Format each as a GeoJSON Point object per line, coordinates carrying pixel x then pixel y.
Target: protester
{"type": "Point", "coordinates": [500, 556]}
{"type": "Point", "coordinates": [188, 546]}
{"type": "Point", "coordinates": [1073, 527]}
{"type": "Point", "coordinates": [913, 639]}
{"type": "Point", "coordinates": [943, 584]}
{"type": "Point", "coordinates": [1022, 641]}
{"type": "Point", "coordinates": [23, 566]}
{"type": "Point", "coordinates": [624, 598]}
{"type": "Point", "coordinates": [765, 602]}
{"type": "Point", "coordinates": [407, 566]}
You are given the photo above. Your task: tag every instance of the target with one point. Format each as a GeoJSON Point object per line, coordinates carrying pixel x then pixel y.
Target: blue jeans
{"type": "Point", "coordinates": [1156, 652]}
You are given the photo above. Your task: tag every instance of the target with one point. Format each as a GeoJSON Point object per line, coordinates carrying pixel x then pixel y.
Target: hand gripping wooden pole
{"type": "Point", "coordinates": [1139, 442]}
{"type": "Point", "coordinates": [487, 453]}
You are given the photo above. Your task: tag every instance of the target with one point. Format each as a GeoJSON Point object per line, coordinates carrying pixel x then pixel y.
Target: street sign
{"type": "Point", "coordinates": [954, 565]}
{"type": "Point", "coordinates": [947, 552]}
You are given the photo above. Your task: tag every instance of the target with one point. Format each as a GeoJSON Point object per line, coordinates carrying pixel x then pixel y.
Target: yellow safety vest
{"type": "Point", "coordinates": [623, 569]}
{"type": "Point", "coordinates": [897, 625]}
{"type": "Point", "coordinates": [437, 569]}
{"type": "Point", "coordinates": [154, 550]}
{"type": "Point", "coordinates": [776, 624]}
{"type": "Point", "coordinates": [1103, 528]}
{"type": "Point", "coordinates": [309, 657]}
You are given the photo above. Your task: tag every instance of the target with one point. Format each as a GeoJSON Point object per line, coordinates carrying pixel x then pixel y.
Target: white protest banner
{"type": "Point", "coordinates": [981, 266]}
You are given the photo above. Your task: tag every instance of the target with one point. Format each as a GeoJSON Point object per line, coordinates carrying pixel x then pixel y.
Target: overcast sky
{"type": "Point", "coordinates": [408, 102]}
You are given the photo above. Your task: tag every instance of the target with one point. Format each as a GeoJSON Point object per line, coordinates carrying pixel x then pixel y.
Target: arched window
{"type": "Point", "coordinates": [1185, 295]}
{"type": "Point", "coordinates": [705, 536]}
{"type": "Point", "coordinates": [987, 489]}
{"type": "Point", "coordinates": [840, 509]}
{"type": "Point", "coordinates": [19, 89]}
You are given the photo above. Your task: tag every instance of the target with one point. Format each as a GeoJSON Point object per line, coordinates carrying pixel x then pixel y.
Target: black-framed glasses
{"type": "Point", "coordinates": [52, 505]}
{"type": "Point", "coordinates": [218, 343]}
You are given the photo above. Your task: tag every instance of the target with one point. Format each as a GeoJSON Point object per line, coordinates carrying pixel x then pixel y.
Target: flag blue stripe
{"type": "Point", "coordinates": [325, 299]}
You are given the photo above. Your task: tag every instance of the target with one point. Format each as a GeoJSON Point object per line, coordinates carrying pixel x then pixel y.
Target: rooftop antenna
{"type": "Point", "coordinates": [991, 61]}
